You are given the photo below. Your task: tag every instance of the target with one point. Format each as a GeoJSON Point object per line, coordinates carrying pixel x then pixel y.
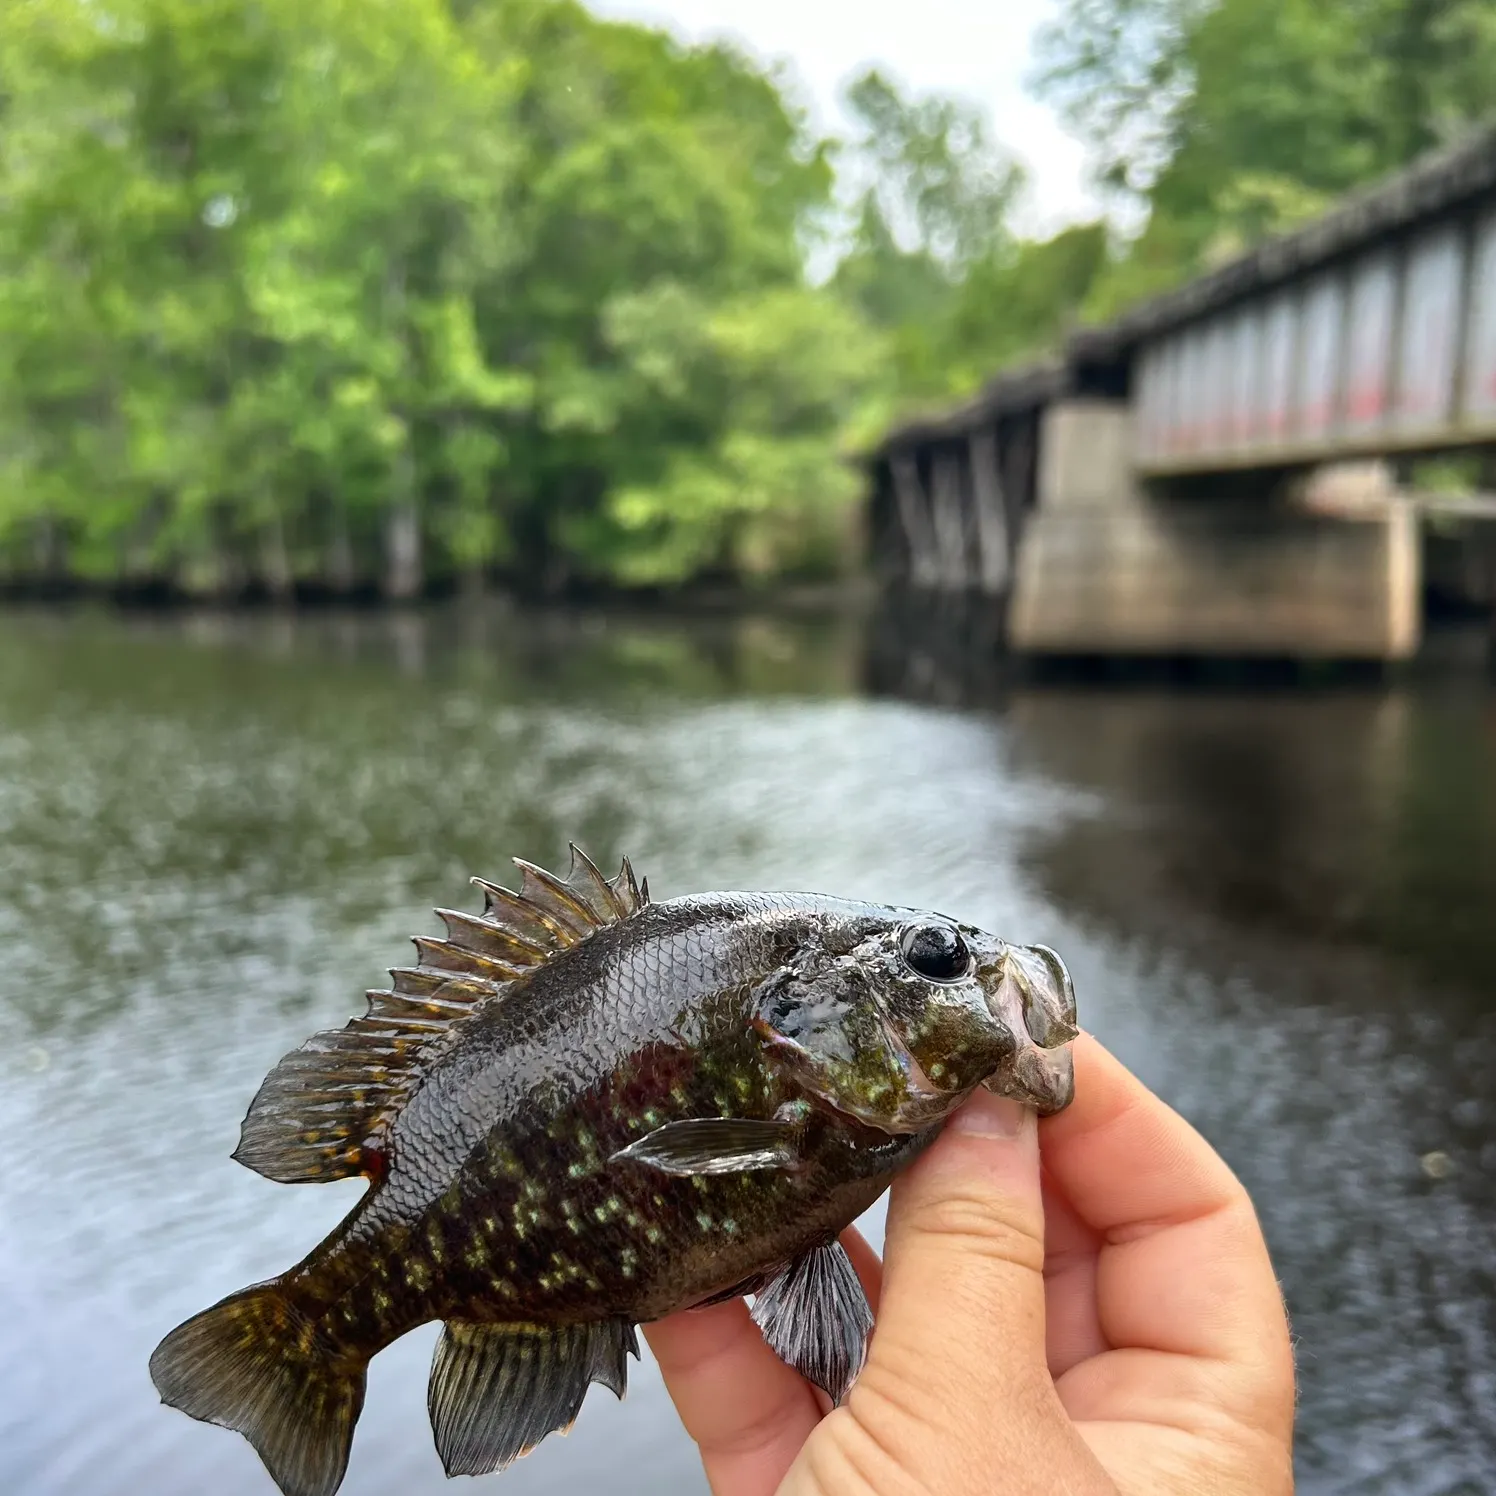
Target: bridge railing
{"type": "Point", "coordinates": [1394, 351]}
{"type": "Point", "coordinates": [1372, 331]}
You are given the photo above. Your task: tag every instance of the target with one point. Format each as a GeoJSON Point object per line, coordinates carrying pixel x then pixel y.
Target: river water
{"type": "Point", "coordinates": [1279, 907]}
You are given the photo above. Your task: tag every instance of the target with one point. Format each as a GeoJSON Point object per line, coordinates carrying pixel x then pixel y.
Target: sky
{"type": "Point", "coordinates": [980, 49]}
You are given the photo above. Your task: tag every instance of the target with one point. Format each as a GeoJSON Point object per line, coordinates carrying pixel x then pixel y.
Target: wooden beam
{"type": "Point", "coordinates": [995, 556]}
{"type": "Point", "coordinates": [1457, 505]}
{"type": "Point", "coordinates": [914, 519]}
{"type": "Point", "coordinates": [1019, 455]}
{"type": "Point", "coordinates": [950, 522]}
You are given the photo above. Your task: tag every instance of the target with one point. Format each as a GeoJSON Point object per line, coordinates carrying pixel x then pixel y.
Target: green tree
{"type": "Point", "coordinates": [1232, 119]}
{"type": "Point", "coordinates": [939, 178]}
{"type": "Point", "coordinates": [350, 293]}
{"type": "Point", "coordinates": [767, 373]}
{"type": "Point", "coordinates": [1021, 301]}
{"type": "Point", "coordinates": [648, 171]}
{"type": "Point", "coordinates": [933, 260]}
{"type": "Point", "coordinates": [241, 250]}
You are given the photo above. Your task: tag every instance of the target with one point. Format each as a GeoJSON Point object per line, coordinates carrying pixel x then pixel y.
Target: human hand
{"type": "Point", "coordinates": [1108, 1324]}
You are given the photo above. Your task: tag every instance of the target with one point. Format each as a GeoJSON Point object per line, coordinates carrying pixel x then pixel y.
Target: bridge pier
{"type": "Point", "coordinates": [1111, 567]}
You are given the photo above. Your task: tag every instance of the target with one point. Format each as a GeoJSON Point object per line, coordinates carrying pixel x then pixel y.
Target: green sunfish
{"type": "Point", "coordinates": [584, 1110]}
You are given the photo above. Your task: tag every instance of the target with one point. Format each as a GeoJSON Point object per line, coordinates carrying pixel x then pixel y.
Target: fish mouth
{"type": "Point", "coordinates": [1046, 994]}
{"type": "Point", "coordinates": [1042, 1079]}
{"type": "Point", "coordinates": [1035, 998]}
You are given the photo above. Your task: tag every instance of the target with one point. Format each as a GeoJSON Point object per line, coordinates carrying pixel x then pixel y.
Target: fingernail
{"type": "Point", "coordinates": [989, 1116]}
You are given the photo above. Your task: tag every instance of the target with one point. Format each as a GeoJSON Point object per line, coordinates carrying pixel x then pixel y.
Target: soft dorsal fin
{"type": "Point", "coordinates": [320, 1113]}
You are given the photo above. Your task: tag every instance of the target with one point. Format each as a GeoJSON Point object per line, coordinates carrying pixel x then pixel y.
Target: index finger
{"type": "Point", "coordinates": [1183, 1267]}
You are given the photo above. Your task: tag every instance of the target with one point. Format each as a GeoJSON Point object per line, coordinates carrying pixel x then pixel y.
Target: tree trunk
{"type": "Point", "coordinates": [402, 539]}
{"type": "Point", "coordinates": [49, 552]}
{"type": "Point", "coordinates": [275, 559]}
{"type": "Point", "coordinates": [949, 520]}
{"type": "Point", "coordinates": [138, 566]}
{"type": "Point", "coordinates": [402, 527]}
{"type": "Point", "coordinates": [340, 575]}
{"type": "Point", "coordinates": [991, 512]}
{"type": "Point", "coordinates": [914, 518]}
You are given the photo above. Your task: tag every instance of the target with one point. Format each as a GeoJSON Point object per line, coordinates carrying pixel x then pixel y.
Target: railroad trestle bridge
{"type": "Point", "coordinates": [1223, 470]}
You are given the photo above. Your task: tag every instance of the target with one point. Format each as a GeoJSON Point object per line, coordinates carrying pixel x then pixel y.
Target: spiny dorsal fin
{"type": "Point", "coordinates": [321, 1112]}
{"type": "Point", "coordinates": [550, 913]}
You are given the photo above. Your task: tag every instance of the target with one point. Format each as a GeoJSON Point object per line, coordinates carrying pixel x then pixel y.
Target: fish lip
{"type": "Point", "coordinates": [1029, 989]}
{"type": "Point", "coordinates": [1068, 1022]}
{"type": "Point", "coordinates": [1048, 1019]}
{"type": "Point", "coordinates": [1041, 1078]}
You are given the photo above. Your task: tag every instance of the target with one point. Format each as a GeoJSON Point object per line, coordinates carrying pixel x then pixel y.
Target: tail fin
{"type": "Point", "coordinates": [254, 1364]}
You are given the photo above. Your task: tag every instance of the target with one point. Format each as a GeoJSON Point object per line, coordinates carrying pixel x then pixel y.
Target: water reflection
{"type": "Point", "coordinates": [213, 831]}
{"type": "Point", "coordinates": [1298, 891]}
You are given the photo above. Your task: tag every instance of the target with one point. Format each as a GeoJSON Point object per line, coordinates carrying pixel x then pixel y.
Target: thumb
{"type": "Point", "coordinates": [957, 1387]}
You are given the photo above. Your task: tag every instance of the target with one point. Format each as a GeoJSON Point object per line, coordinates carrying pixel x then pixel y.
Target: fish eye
{"type": "Point", "coordinates": [936, 952]}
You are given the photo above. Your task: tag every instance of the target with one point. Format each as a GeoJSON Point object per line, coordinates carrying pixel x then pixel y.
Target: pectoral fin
{"type": "Point", "coordinates": [715, 1145]}
{"type": "Point", "coordinates": [815, 1317]}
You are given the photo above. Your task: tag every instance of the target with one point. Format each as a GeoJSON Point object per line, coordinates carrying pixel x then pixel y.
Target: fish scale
{"type": "Point", "coordinates": [582, 1111]}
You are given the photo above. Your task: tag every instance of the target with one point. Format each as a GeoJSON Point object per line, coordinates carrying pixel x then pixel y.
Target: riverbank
{"type": "Point", "coordinates": [851, 592]}
{"type": "Point", "coordinates": [940, 648]}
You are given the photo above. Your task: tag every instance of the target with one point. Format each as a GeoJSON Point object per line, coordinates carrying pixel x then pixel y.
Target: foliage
{"type": "Point", "coordinates": [932, 259]}
{"type": "Point", "coordinates": [363, 291]}
{"type": "Point", "coordinates": [731, 401]}
{"type": "Point", "coordinates": [1233, 119]}
{"type": "Point", "coordinates": [1021, 303]}
{"type": "Point", "coordinates": [936, 172]}
{"type": "Point", "coordinates": [395, 292]}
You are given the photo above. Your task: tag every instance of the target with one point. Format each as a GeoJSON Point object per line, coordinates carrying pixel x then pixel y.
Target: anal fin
{"type": "Point", "coordinates": [815, 1317]}
{"type": "Point", "coordinates": [498, 1389]}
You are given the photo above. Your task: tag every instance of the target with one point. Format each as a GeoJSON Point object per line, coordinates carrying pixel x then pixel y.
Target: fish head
{"type": "Point", "coordinates": [895, 1020]}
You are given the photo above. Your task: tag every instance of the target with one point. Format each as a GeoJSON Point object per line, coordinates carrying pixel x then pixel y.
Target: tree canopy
{"type": "Point", "coordinates": [933, 259]}
{"type": "Point", "coordinates": [387, 290]}
{"type": "Point", "coordinates": [1227, 120]}
{"type": "Point", "coordinates": [394, 293]}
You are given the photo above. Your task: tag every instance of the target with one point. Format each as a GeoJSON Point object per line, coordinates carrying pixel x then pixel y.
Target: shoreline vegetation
{"type": "Point", "coordinates": [851, 592]}
{"type": "Point", "coordinates": [381, 300]}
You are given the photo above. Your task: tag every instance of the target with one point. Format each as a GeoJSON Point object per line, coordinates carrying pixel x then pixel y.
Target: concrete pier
{"type": "Point", "coordinates": [1109, 568]}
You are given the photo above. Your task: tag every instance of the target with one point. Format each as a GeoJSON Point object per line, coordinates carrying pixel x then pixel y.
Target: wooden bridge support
{"type": "Point", "coordinates": [947, 517]}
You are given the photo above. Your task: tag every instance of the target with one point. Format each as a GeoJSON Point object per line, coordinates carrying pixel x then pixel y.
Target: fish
{"type": "Point", "coordinates": [583, 1110]}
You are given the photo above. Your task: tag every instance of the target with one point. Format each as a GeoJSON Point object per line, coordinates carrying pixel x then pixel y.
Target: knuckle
{"type": "Point", "coordinates": [978, 1223]}
{"type": "Point", "coordinates": [887, 1427]}
{"type": "Point", "coordinates": [891, 1394]}
{"type": "Point", "coordinates": [853, 1459]}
